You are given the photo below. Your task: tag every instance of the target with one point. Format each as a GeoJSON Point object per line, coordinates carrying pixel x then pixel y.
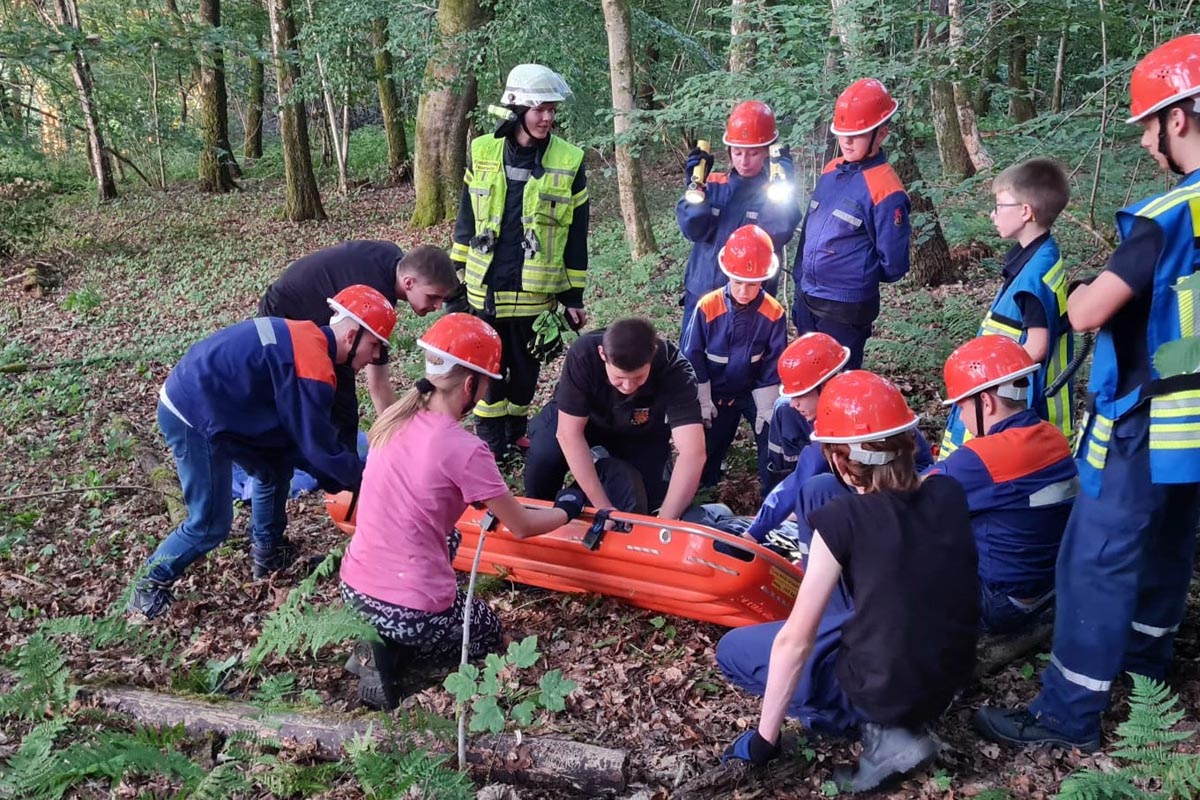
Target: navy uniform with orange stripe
{"type": "Point", "coordinates": [1021, 482]}
{"type": "Point", "coordinates": [736, 348]}
{"type": "Point", "coordinates": [730, 201]}
{"type": "Point", "coordinates": [855, 236]}
{"type": "Point", "coordinates": [259, 393]}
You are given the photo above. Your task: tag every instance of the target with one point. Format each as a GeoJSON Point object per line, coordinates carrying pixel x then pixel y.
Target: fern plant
{"type": "Point", "coordinates": [413, 774]}
{"type": "Point", "coordinates": [43, 680]}
{"type": "Point", "coordinates": [1146, 742]}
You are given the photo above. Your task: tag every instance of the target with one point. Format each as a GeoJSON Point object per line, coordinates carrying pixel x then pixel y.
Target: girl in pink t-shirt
{"type": "Point", "coordinates": [424, 471]}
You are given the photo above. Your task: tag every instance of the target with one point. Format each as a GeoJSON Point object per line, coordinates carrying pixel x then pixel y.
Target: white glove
{"type": "Point", "coordinates": [708, 411]}
{"type": "Point", "coordinates": [764, 404]}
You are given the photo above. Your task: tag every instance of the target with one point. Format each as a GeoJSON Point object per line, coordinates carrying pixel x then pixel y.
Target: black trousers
{"type": "Point", "coordinates": [512, 394]}
{"type": "Point", "coordinates": [632, 475]}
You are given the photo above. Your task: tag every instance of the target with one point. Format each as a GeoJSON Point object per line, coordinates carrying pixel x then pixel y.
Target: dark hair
{"type": "Point", "coordinates": [630, 343]}
{"type": "Point", "coordinates": [1040, 183]}
{"type": "Point", "coordinates": [430, 264]}
{"type": "Point", "coordinates": [899, 474]}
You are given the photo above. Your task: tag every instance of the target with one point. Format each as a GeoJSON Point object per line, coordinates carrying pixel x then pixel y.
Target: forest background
{"type": "Point", "coordinates": [162, 161]}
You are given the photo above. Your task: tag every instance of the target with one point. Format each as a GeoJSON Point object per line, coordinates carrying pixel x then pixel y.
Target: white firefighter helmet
{"type": "Point", "coordinates": [532, 84]}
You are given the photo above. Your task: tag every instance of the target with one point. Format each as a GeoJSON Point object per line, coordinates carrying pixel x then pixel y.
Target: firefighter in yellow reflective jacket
{"type": "Point", "coordinates": [521, 240]}
{"type": "Point", "coordinates": [1127, 554]}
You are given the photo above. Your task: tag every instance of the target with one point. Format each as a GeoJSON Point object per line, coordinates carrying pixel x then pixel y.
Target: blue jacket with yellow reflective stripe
{"type": "Point", "coordinates": [1174, 439]}
{"type": "Point", "coordinates": [262, 391]}
{"type": "Point", "coordinates": [1044, 278]}
{"type": "Point", "coordinates": [1020, 483]}
{"type": "Point", "coordinates": [737, 348]}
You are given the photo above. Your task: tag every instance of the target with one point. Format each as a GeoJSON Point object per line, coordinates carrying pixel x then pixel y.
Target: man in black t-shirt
{"type": "Point", "coordinates": [423, 278]}
{"type": "Point", "coordinates": [624, 390]}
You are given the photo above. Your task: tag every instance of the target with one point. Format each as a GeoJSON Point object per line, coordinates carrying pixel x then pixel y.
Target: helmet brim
{"type": "Point", "coordinates": [845, 360]}
{"type": "Point", "coordinates": [833, 128]}
{"type": "Point", "coordinates": [1021, 373]}
{"type": "Point", "coordinates": [772, 271]}
{"type": "Point", "coordinates": [455, 359]}
{"type": "Point", "coordinates": [345, 313]}
{"type": "Point", "coordinates": [870, 437]}
{"type": "Point", "coordinates": [1160, 105]}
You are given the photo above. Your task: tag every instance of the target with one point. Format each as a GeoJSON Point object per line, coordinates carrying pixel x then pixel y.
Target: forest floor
{"type": "Point", "coordinates": [137, 281]}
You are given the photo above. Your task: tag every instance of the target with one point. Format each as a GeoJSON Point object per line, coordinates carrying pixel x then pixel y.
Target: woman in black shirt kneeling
{"type": "Point", "coordinates": [883, 632]}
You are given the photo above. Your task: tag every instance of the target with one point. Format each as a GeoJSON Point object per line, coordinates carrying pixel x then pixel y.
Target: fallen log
{"type": "Point", "coordinates": [161, 476]}
{"type": "Point", "coordinates": [997, 652]}
{"type": "Point", "coordinates": [534, 761]}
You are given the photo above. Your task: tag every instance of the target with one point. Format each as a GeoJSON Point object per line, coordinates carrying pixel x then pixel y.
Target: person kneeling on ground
{"type": "Point", "coordinates": [624, 396]}
{"type": "Point", "coordinates": [260, 393]}
{"type": "Point", "coordinates": [905, 550]}
{"type": "Point", "coordinates": [424, 470]}
{"type": "Point", "coordinates": [1019, 478]}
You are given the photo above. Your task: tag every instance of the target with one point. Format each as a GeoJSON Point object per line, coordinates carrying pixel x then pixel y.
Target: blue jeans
{"type": "Point", "coordinates": [206, 477]}
{"type": "Point", "coordinates": [1122, 580]}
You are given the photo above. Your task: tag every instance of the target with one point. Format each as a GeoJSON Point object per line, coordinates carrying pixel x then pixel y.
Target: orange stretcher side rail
{"type": "Point", "coordinates": [664, 565]}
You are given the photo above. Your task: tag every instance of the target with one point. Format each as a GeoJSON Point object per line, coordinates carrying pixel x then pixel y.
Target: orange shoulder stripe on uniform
{"type": "Point", "coordinates": [717, 177]}
{"type": "Point", "coordinates": [1017, 452]}
{"type": "Point", "coordinates": [882, 181]}
{"type": "Point", "coordinates": [771, 308]}
{"type": "Point", "coordinates": [310, 349]}
{"type": "Point", "coordinates": [712, 304]}
{"type": "Point", "coordinates": [832, 164]}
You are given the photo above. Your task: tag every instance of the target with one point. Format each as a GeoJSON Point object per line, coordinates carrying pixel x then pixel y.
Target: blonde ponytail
{"type": "Point", "coordinates": [397, 415]}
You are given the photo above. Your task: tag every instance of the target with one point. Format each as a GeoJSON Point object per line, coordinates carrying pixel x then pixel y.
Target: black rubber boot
{"type": "Point", "coordinates": [887, 752]}
{"type": "Point", "coordinates": [271, 560]}
{"type": "Point", "coordinates": [380, 669]}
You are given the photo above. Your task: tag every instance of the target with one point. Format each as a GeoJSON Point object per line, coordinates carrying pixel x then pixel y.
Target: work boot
{"type": "Point", "coordinates": [887, 752]}
{"type": "Point", "coordinates": [1019, 726]}
{"type": "Point", "coordinates": [150, 598]}
{"type": "Point", "coordinates": [380, 669]}
{"type": "Point", "coordinates": [494, 433]}
{"type": "Point", "coordinates": [268, 560]}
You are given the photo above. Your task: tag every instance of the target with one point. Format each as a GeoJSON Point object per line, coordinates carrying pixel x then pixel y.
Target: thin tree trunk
{"type": "Point", "coordinates": [931, 263]}
{"type": "Point", "coordinates": [1020, 104]}
{"type": "Point", "coordinates": [1056, 94]}
{"type": "Point", "coordinates": [634, 211]}
{"type": "Point", "coordinates": [252, 146]}
{"type": "Point", "coordinates": [989, 66]}
{"type": "Point", "coordinates": [399, 167]}
{"type": "Point", "coordinates": [66, 16]}
{"type": "Point", "coordinates": [158, 148]}
{"type": "Point", "coordinates": [962, 95]}
{"type": "Point", "coordinates": [442, 117]}
{"type": "Point", "coordinates": [742, 45]}
{"type": "Point", "coordinates": [331, 113]}
{"type": "Point", "coordinates": [303, 196]}
{"type": "Point", "coordinates": [217, 168]}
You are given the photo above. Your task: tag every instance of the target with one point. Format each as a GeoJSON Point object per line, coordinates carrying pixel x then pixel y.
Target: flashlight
{"type": "Point", "coordinates": [695, 189]}
{"type": "Point", "coordinates": [779, 189]}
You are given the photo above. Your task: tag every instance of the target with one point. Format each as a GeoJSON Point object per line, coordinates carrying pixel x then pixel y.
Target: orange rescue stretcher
{"type": "Point", "coordinates": [662, 565]}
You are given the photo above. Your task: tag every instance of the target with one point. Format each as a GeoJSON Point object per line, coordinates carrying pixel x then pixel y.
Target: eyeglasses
{"type": "Point", "coordinates": [999, 206]}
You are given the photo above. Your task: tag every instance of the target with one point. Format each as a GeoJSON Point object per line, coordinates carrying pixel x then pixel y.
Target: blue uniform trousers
{"type": "Point", "coordinates": [719, 437]}
{"type": "Point", "coordinates": [788, 434]}
{"type": "Point", "coordinates": [1122, 578]}
{"type": "Point", "coordinates": [847, 335]}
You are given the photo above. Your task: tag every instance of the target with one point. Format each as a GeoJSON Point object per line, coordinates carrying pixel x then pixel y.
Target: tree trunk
{"type": "Point", "coordinates": [742, 45]}
{"type": "Point", "coordinates": [952, 152]}
{"type": "Point", "coordinates": [1056, 94]}
{"type": "Point", "coordinates": [989, 63]}
{"type": "Point", "coordinates": [962, 95]}
{"type": "Point", "coordinates": [252, 146]}
{"type": "Point", "coordinates": [217, 165]}
{"type": "Point", "coordinates": [303, 197]}
{"type": "Point", "coordinates": [442, 117]}
{"type": "Point", "coordinates": [399, 168]}
{"type": "Point", "coordinates": [638, 232]}
{"type": "Point", "coordinates": [339, 152]}
{"type": "Point", "coordinates": [1020, 104]}
{"type": "Point", "coordinates": [931, 263]}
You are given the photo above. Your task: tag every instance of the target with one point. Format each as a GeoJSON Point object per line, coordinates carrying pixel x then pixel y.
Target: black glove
{"type": "Point", "coordinates": [695, 157]}
{"type": "Point", "coordinates": [751, 747]}
{"type": "Point", "coordinates": [570, 501]}
{"type": "Point", "coordinates": [456, 301]}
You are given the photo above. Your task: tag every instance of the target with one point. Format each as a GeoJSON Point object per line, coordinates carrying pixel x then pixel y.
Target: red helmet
{"type": "Point", "coordinates": [341, 510]}
{"type": "Point", "coordinates": [752, 124]}
{"type": "Point", "coordinates": [860, 406]}
{"type": "Point", "coordinates": [462, 339]}
{"type": "Point", "coordinates": [863, 107]}
{"type": "Point", "coordinates": [367, 307]}
{"type": "Point", "coordinates": [749, 255]}
{"type": "Point", "coordinates": [1167, 74]}
{"type": "Point", "coordinates": [808, 362]}
{"type": "Point", "coordinates": [983, 363]}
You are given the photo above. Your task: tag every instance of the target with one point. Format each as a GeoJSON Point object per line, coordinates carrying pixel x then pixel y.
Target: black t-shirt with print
{"type": "Point", "coordinates": [910, 565]}
{"type": "Point", "coordinates": [667, 400]}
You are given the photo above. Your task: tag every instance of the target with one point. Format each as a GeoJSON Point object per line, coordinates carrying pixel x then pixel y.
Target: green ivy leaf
{"type": "Point", "coordinates": [555, 689]}
{"type": "Point", "coordinates": [489, 684]}
{"type": "Point", "coordinates": [460, 685]}
{"type": "Point", "coordinates": [486, 716]}
{"type": "Point", "coordinates": [522, 713]}
{"type": "Point", "coordinates": [493, 663]}
{"type": "Point", "coordinates": [524, 654]}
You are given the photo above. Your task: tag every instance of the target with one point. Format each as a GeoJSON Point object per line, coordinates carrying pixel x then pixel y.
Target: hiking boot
{"type": "Point", "coordinates": [1019, 726]}
{"type": "Point", "coordinates": [379, 667]}
{"type": "Point", "coordinates": [887, 752]}
{"type": "Point", "coordinates": [150, 598]}
{"type": "Point", "coordinates": [273, 559]}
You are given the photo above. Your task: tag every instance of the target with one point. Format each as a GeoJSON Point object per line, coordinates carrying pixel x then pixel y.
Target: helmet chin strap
{"type": "Point", "coordinates": [979, 414]}
{"type": "Point", "coordinates": [1164, 145]}
{"type": "Point", "coordinates": [358, 334]}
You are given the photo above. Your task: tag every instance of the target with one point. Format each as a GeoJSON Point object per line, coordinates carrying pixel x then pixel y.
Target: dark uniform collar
{"type": "Point", "coordinates": [735, 306]}
{"type": "Point", "coordinates": [1017, 256]}
{"type": "Point", "coordinates": [866, 163]}
{"type": "Point", "coordinates": [1021, 419]}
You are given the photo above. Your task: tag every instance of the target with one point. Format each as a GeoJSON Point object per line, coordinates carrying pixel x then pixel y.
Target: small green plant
{"type": "Point", "coordinates": [83, 300]}
{"type": "Point", "coordinates": [495, 693]}
{"type": "Point", "coordinates": [405, 774]}
{"type": "Point", "coordinates": [1153, 770]}
{"type": "Point", "coordinates": [667, 630]}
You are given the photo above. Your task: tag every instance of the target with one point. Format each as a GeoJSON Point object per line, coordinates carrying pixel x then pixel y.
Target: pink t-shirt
{"type": "Point", "coordinates": [414, 489]}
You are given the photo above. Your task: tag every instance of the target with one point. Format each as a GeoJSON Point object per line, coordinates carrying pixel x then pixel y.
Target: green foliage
{"type": "Point", "coordinates": [43, 680]}
{"type": "Point", "coordinates": [408, 774]}
{"type": "Point", "coordinates": [83, 300]}
{"type": "Point", "coordinates": [25, 215]}
{"type": "Point", "coordinates": [1146, 742]}
{"type": "Point", "coordinates": [496, 695]}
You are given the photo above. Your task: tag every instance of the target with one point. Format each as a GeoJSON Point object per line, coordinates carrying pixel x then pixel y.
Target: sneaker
{"type": "Point", "coordinates": [150, 598]}
{"type": "Point", "coordinates": [271, 560]}
{"type": "Point", "coordinates": [888, 752]}
{"type": "Point", "coordinates": [1019, 726]}
{"type": "Point", "coordinates": [379, 667]}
